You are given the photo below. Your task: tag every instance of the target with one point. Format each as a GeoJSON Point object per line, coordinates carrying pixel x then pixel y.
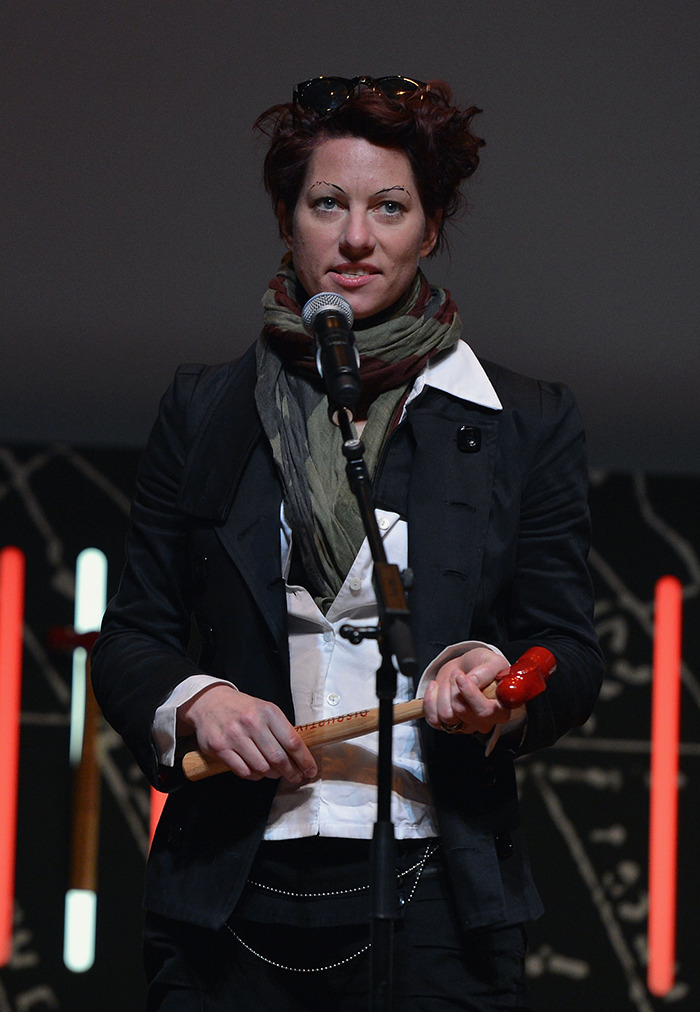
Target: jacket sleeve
{"type": "Point", "coordinates": [549, 601]}
{"type": "Point", "coordinates": [141, 653]}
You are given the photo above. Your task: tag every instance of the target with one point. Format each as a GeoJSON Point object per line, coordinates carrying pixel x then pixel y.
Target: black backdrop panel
{"type": "Point", "coordinates": [585, 802]}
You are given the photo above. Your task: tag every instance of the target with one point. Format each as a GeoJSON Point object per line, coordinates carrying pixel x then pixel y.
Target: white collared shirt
{"type": "Point", "coordinates": [330, 676]}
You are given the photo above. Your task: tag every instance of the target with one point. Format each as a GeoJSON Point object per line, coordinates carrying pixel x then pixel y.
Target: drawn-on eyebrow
{"type": "Point", "coordinates": [323, 182]}
{"type": "Point", "coordinates": [388, 189]}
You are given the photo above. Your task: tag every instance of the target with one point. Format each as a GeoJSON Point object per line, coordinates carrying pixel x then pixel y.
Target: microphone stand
{"type": "Point", "coordinates": [394, 638]}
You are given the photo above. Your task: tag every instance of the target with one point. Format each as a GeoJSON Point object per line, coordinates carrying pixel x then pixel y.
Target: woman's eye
{"type": "Point", "coordinates": [326, 203]}
{"type": "Point", "coordinates": [391, 208]}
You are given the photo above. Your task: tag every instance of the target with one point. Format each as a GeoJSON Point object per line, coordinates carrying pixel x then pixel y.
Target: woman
{"type": "Point", "coordinates": [257, 884]}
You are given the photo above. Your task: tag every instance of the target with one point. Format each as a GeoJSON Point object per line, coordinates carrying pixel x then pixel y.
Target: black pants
{"type": "Point", "coordinates": [436, 966]}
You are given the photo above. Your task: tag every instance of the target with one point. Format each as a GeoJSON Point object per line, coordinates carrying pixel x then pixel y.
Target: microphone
{"type": "Point", "coordinates": [329, 317]}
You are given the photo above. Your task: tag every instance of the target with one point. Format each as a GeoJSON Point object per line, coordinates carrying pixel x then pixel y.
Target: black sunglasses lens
{"type": "Point", "coordinates": [397, 87]}
{"type": "Point", "coordinates": [324, 94]}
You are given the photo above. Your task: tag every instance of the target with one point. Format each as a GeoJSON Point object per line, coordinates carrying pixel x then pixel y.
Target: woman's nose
{"type": "Point", "coordinates": [356, 236]}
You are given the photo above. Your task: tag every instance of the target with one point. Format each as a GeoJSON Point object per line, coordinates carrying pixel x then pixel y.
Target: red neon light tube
{"type": "Point", "coordinates": [663, 813]}
{"type": "Point", "coordinates": [158, 800]}
{"type": "Point", "coordinates": [12, 570]}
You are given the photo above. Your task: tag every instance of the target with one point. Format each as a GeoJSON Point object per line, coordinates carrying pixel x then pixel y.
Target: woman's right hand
{"type": "Point", "coordinates": [251, 736]}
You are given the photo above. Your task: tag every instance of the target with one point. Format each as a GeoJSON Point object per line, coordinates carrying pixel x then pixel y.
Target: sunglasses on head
{"type": "Point", "coordinates": [324, 94]}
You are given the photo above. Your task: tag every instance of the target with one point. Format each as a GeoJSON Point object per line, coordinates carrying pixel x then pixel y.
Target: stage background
{"type": "Point", "coordinates": [585, 802]}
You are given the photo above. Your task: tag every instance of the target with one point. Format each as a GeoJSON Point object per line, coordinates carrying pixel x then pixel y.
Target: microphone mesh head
{"type": "Point", "coordinates": [326, 300]}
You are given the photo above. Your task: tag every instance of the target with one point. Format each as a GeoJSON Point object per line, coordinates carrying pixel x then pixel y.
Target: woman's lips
{"type": "Point", "coordinates": [350, 280]}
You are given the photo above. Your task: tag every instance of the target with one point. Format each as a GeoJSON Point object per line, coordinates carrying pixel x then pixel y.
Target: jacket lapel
{"type": "Point", "coordinates": [251, 536]}
{"type": "Point", "coordinates": [449, 500]}
{"type": "Point", "coordinates": [230, 461]}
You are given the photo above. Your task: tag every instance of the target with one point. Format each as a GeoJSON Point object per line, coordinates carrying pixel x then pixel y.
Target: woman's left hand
{"type": "Point", "coordinates": [454, 700]}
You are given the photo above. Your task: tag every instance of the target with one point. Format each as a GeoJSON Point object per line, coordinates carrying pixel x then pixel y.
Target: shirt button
{"type": "Point", "coordinates": [383, 523]}
{"type": "Point", "coordinates": [355, 584]}
{"type": "Point", "coordinates": [332, 698]}
{"type": "Point", "coordinates": [328, 635]}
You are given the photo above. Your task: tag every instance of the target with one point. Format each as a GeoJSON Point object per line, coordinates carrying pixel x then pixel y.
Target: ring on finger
{"type": "Point", "coordinates": [451, 728]}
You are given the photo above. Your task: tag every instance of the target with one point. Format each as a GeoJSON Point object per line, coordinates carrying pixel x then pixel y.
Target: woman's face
{"type": "Point", "coordinates": [359, 228]}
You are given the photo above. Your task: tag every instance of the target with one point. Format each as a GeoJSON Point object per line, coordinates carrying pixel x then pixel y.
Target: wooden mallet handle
{"type": "Point", "coordinates": [525, 680]}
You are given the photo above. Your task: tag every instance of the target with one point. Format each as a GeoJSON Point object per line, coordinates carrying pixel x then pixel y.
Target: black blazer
{"type": "Point", "coordinates": [498, 534]}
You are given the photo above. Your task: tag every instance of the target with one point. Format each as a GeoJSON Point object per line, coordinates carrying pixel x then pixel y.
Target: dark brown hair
{"type": "Point", "coordinates": [434, 134]}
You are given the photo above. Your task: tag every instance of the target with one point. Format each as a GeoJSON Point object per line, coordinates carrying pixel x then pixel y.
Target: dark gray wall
{"type": "Point", "coordinates": [137, 234]}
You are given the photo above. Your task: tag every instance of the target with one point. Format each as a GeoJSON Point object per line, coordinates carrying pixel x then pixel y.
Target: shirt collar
{"type": "Point", "coordinates": [460, 373]}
